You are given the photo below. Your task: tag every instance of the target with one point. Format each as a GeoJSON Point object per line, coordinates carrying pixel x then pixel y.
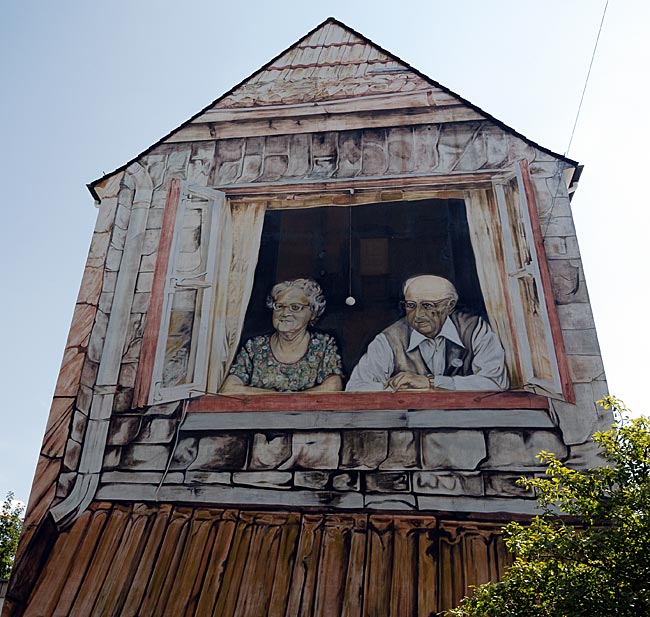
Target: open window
{"type": "Point", "coordinates": [366, 251]}
{"type": "Point", "coordinates": [224, 256]}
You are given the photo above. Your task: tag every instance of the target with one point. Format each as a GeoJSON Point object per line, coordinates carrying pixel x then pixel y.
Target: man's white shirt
{"type": "Point", "coordinates": [377, 365]}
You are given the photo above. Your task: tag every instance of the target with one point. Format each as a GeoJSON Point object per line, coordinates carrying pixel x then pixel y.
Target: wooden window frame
{"type": "Point", "coordinates": [360, 401]}
{"type": "Point", "coordinates": [552, 347]}
{"type": "Point", "coordinates": [564, 374]}
{"type": "Point", "coordinates": [473, 188]}
{"type": "Point", "coordinates": [149, 388]}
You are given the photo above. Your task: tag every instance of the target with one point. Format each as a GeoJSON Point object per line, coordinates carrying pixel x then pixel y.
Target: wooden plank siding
{"type": "Point", "coordinates": [321, 122]}
{"type": "Point", "coordinates": [334, 61]}
{"type": "Point", "coordinates": [139, 559]}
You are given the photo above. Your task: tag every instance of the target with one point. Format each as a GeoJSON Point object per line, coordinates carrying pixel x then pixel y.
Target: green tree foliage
{"type": "Point", "coordinates": [595, 563]}
{"type": "Point", "coordinates": [11, 523]}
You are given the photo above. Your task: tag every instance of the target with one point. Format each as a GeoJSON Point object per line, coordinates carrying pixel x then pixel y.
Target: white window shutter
{"type": "Point", "coordinates": [181, 362]}
{"type": "Point", "coordinates": [537, 354]}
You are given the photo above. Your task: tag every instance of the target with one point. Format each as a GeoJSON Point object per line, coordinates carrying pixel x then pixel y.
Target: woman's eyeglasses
{"type": "Point", "coordinates": [293, 308]}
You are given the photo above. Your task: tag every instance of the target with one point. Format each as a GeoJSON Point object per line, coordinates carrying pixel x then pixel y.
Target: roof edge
{"type": "Point", "coordinates": [91, 186]}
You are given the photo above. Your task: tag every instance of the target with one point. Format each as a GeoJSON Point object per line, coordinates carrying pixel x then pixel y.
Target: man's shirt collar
{"type": "Point", "coordinates": [448, 331]}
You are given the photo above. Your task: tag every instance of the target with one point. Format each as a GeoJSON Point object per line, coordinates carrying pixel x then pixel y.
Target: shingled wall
{"type": "Point", "coordinates": [347, 464]}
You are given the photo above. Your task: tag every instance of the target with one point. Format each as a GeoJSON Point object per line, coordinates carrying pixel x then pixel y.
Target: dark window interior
{"type": "Point", "coordinates": [389, 243]}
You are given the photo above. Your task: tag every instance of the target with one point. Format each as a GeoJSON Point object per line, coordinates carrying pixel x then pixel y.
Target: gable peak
{"type": "Point", "coordinates": [330, 62]}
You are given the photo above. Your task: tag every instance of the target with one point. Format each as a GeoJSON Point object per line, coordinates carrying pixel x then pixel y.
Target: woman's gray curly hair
{"type": "Point", "coordinates": [310, 288]}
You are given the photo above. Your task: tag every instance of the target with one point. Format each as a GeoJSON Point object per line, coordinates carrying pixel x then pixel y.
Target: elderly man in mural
{"type": "Point", "coordinates": [433, 347]}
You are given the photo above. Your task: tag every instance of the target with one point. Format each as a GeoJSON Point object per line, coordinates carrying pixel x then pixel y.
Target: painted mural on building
{"type": "Point", "coordinates": [324, 327]}
{"type": "Point", "coordinates": [357, 270]}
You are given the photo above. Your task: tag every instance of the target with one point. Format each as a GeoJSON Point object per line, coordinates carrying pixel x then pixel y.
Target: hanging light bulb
{"type": "Point", "coordinates": [350, 300]}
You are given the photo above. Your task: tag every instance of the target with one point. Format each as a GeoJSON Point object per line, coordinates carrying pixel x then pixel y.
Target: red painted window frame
{"type": "Point", "coordinates": [154, 313]}
{"type": "Point", "coordinates": [349, 400]}
{"type": "Point", "coordinates": [359, 401]}
{"type": "Point", "coordinates": [554, 320]}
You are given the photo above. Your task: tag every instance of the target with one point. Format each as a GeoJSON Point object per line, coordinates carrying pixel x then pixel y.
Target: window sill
{"type": "Point", "coordinates": [361, 401]}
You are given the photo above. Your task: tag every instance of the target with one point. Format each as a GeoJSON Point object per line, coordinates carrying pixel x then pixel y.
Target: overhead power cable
{"type": "Point", "coordinates": [575, 123]}
{"type": "Point", "coordinates": [584, 89]}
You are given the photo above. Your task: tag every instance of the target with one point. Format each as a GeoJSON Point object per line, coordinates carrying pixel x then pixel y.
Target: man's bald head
{"type": "Point", "coordinates": [435, 287]}
{"type": "Point", "coordinates": [428, 301]}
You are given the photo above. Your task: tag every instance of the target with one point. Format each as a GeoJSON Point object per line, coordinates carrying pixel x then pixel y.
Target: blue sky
{"type": "Point", "coordinates": [87, 85]}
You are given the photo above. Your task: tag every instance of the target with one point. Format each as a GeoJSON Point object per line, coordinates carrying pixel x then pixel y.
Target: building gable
{"type": "Point", "coordinates": [331, 63]}
{"type": "Point", "coordinates": [332, 79]}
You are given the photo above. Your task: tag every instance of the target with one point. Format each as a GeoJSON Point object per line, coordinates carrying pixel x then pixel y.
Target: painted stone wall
{"type": "Point", "coordinates": [443, 466]}
{"type": "Point", "coordinates": [450, 464]}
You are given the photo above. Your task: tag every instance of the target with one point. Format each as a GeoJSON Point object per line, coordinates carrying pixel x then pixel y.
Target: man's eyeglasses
{"type": "Point", "coordinates": [427, 305]}
{"type": "Point", "coordinates": [293, 308]}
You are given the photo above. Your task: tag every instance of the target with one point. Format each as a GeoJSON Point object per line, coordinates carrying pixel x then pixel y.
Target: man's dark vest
{"type": "Point", "coordinates": [399, 335]}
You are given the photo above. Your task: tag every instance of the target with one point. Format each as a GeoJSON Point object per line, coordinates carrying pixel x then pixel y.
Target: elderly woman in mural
{"type": "Point", "coordinates": [294, 358]}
